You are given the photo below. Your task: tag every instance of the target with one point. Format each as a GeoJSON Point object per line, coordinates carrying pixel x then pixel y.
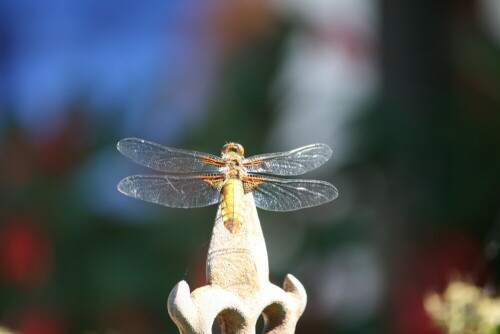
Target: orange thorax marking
{"type": "Point", "coordinates": [211, 161]}
{"type": "Point", "coordinates": [233, 204]}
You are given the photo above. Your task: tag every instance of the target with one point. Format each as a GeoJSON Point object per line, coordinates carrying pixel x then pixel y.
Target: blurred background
{"type": "Point", "coordinates": [407, 93]}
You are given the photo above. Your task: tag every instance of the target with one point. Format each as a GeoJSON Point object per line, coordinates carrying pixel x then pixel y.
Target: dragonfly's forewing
{"type": "Point", "coordinates": [166, 159]}
{"type": "Point", "coordinates": [276, 194]}
{"type": "Point", "coordinates": [175, 191]}
{"type": "Point", "coordinates": [294, 162]}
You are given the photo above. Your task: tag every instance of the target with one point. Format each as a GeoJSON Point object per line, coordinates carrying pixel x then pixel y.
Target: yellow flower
{"type": "Point", "coordinates": [463, 309]}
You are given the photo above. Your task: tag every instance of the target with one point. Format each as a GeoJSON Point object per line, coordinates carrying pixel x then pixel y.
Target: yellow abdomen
{"type": "Point", "coordinates": [233, 204]}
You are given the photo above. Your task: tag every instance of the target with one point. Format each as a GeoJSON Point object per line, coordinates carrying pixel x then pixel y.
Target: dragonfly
{"type": "Point", "coordinates": [193, 179]}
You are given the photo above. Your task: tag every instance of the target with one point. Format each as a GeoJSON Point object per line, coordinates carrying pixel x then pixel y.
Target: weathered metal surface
{"type": "Point", "coordinates": [238, 290]}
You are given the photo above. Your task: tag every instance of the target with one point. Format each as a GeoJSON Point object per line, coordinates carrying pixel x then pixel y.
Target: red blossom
{"type": "Point", "coordinates": [25, 253]}
{"type": "Point", "coordinates": [40, 322]}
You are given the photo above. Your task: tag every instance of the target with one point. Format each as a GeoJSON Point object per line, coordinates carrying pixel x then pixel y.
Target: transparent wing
{"type": "Point", "coordinates": [175, 191]}
{"type": "Point", "coordinates": [287, 195]}
{"type": "Point", "coordinates": [166, 159]}
{"type": "Point", "coordinates": [294, 162]}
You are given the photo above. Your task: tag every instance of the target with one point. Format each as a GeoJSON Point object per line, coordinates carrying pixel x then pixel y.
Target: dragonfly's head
{"type": "Point", "coordinates": [232, 148]}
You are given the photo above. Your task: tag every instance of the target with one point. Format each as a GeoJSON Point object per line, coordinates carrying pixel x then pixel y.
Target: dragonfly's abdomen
{"type": "Point", "coordinates": [233, 204]}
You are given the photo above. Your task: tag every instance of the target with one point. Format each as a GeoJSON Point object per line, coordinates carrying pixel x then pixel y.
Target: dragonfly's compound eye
{"type": "Point", "coordinates": [233, 147]}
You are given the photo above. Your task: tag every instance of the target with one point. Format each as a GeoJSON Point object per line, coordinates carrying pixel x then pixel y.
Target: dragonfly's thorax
{"type": "Point", "coordinates": [234, 169]}
{"type": "Point", "coordinates": [232, 154]}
